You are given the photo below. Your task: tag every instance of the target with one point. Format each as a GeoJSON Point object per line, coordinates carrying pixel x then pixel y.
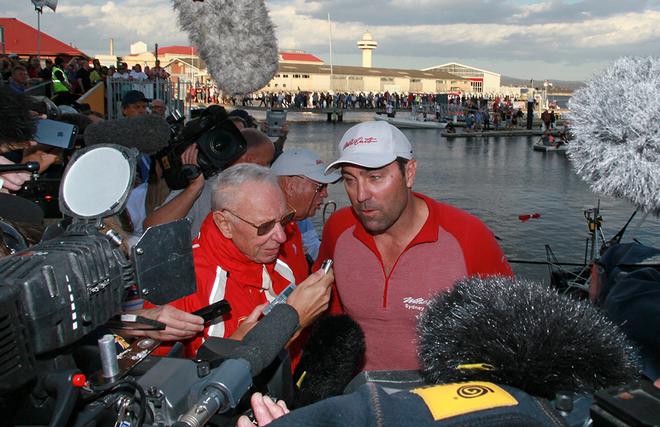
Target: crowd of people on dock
{"type": "Point", "coordinates": [72, 75]}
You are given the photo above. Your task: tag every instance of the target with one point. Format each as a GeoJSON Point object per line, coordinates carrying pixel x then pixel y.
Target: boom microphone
{"type": "Point", "coordinates": [616, 127]}
{"type": "Point", "coordinates": [523, 334]}
{"type": "Point", "coordinates": [332, 356]}
{"type": "Point", "coordinates": [148, 133]}
{"type": "Point", "coordinates": [235, 39]}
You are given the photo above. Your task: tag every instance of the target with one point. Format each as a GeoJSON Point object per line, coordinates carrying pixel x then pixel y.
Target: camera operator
{"type": "Point", "coordinates": [194, 201]}
{"type": "Point", "coordinates": [237, 258]}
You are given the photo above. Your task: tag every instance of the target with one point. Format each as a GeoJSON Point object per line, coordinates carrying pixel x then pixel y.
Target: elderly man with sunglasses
{"type": "Point", "coordinates": [237, 258]}
{"type": "Point", "coordinates": [301, 175]}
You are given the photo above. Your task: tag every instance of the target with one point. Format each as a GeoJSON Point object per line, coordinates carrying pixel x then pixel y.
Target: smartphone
{"type": "Point", "coordinates": [55, 134]}
{"type": "Point", "coordinates": [213, 311]}
{"type": "Point", "coordinates": [275, 120]}
{"type": "Point", "coordinates": [282, 297]}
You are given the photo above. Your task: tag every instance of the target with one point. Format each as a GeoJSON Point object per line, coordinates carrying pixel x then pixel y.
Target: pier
{"type": "Point", "coordinates": [504, 132]}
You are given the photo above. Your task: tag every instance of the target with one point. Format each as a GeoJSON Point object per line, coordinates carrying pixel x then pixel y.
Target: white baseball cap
{"type": "Point", "coordinates": [372, 145]}
{"type": "Point", "coordinates": [300, 161]}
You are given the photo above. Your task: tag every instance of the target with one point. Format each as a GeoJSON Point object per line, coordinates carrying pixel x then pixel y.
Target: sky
{"type": "Point", "coordinates": [554, 39]}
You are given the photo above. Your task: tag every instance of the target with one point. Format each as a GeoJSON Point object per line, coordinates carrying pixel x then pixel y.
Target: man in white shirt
{"type": "Point", "coordinates": [137, 74]}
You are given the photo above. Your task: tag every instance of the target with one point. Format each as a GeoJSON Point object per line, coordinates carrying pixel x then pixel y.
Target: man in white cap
{"type": "Point", "coordinates": [300, 174]}
{"type": "Point", "coordinates": [393, 249]}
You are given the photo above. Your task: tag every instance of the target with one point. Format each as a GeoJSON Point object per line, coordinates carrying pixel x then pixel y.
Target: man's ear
{"type": "Point", "coordinates": [411, 172]}
{"type": "Point", "coordinates": [288, 186]}
{"type": "Point", "coordinates": [222, 222]}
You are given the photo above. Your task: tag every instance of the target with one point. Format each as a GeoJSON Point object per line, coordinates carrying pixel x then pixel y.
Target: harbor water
{"type": "Point", "coordinates": [498, 179]}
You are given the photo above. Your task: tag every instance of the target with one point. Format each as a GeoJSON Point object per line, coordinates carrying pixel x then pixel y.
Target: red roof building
{"type": "Point", "coordinates": [21, 39]}
{"type": "Point", "coordinates": [177, 50]}
{"type": "Point", "coordinates": [299, 58]}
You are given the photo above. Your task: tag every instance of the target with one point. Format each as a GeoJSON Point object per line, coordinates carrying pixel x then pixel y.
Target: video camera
{"type": "Point", "coordinates": [58, 297]}
{"type": "Point", "coordinates": [219, 142]}
{"type": "Point", "coordinates": [59, 293]}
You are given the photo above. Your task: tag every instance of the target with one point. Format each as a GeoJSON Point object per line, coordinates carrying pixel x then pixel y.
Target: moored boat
{"type": "Point", "coordinates": [410, 123]}
{"type": "Point", "coordinates": [550, 144]}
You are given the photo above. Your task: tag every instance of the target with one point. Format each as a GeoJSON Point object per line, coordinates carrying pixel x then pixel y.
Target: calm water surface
{"type": "Point", "coordinates": [497, 179]}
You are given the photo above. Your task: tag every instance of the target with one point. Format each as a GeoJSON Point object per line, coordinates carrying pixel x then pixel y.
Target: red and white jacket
{"type": "Point", "coordinates": [223, 272]}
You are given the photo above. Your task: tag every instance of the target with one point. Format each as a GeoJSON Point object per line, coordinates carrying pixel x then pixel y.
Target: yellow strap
{"type": "Point", "coordinates": [475, 367]}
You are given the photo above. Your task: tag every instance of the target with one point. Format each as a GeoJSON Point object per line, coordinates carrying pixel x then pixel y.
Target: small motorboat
{"type": "Point", "coordinates": [550, 143]}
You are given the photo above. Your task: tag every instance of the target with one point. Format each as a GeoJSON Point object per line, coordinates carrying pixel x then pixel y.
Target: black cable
{"type": "Point", "coordinates": [143, 400]}
{"type": "Point", "coordinates": [111, 388]}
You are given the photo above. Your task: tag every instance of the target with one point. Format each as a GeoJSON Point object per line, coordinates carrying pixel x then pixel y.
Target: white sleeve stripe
{"type": "Point", "coordinates": [217, 329]}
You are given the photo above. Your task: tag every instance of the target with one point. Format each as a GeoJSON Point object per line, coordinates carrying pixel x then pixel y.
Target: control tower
{"type": "Point", "coordinates": [366, 45]}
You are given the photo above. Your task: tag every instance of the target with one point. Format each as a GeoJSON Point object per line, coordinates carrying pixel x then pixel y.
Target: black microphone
{"type": "Point", "coordinates": [264, 342]}
{"type": "Point", "coordinates": [226, 385]}
{"type": "Point", "coordinates": [29, 166]}
{"type": "Point", "coordinates": [523, 334]}
{"type": "Point", "coordinates": [236, 41]}
{"type": "Point", "coordinates": [148, 133]}
{"type": "Point", "coordinates": [616, 148]}
{"type": "Point", "coordinates": [331, 357]}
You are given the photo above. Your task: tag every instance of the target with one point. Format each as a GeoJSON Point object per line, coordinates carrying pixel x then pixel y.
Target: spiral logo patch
{"type": "Point", "coordinates": [451, 400]}
{"type": "Point", "coordinates": [473, 390]}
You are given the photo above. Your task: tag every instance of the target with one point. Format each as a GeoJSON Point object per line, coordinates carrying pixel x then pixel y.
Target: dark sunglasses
{"type": "Point", "coordinates": [266, 227]}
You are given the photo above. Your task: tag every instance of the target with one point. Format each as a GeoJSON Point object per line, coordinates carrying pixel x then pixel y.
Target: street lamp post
{"type": "Point", "coordinates": [546, 84]}
{"type": "Point", "coordinates": [39, 8]}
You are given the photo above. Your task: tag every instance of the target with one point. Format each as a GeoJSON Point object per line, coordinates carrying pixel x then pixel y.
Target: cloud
{"type": "Point", "coordinates": [559, 44]}
{"type": "Point", "coordinates": [89, 25]}
{"type": "Point", "coordinates": [509, 36]}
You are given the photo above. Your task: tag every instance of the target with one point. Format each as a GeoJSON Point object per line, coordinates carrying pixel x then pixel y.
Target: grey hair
{"type": "Point", "coordinates": [225, 185]}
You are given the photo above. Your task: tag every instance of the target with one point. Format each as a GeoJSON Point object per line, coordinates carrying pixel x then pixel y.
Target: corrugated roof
{"type": "Point", "coordinates": [462, 65]}
{"type": "Point", "coordinates": [177, 50]}
{"type": "Point", "coordinates": [21, 39]}
{"type": "Point", "coordinates": [363, 71]}
{"type": "Point", "coordinates": [295, 56]}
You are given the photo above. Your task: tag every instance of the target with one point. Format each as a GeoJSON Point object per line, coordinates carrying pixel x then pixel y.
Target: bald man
{"type": "Point", "coordinates": [158, 107]}
{"type": "Point", "coordinates": [194, 201]}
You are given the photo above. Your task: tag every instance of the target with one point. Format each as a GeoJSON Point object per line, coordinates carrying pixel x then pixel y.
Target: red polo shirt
{"type": "Point", "coordinates": [450, 246]}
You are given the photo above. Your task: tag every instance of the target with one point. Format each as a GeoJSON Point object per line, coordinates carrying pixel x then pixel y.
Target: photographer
{"type": "Point", "coordinates": [195, 200]}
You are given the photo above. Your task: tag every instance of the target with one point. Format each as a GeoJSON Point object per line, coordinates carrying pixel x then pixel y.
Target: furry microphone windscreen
{"type": "Point", "coordinates": [236, 40]}
{"type": "Point", "coordinates": [616, 122]}
{"type": "Point", "coordinates": [148, 133]}
{"type": "Point", "coordinates": [332, 356]}
{"type": "Point", "coordinates": [523, 334]}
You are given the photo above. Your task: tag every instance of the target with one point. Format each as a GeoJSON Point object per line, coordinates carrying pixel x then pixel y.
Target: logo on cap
{"type": "Point", "coordinates": [359, 140]}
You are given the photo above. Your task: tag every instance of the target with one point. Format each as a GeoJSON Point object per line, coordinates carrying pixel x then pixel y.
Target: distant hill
{"type": "Point", "coordinates": [557, 85]}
